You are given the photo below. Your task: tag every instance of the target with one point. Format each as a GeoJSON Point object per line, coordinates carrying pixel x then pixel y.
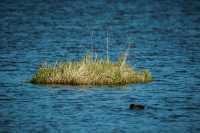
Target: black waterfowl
{"type": "Point", "coordinates": [136, 106]}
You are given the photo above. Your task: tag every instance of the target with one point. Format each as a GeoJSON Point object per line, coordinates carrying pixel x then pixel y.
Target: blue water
{"type": "Point", "coordinates": [165, 38]}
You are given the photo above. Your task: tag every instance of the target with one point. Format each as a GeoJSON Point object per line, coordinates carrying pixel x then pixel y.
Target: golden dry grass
{"type": "Point", "coordinates": [90, 71]}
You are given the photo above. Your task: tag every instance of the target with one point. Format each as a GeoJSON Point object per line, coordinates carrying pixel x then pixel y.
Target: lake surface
{"type": "Point", "coordinates": [164, 38]}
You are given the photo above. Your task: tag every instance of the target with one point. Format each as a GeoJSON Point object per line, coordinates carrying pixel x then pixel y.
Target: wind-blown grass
{"type": "Point", "coordinates": [89, 71]}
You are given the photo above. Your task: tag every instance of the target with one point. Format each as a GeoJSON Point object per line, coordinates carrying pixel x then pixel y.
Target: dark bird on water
{"type": "Point", "coordinates": [136, 106]}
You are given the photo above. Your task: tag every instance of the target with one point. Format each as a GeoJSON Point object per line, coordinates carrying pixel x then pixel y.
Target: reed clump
{"type": "Point", "coordinates": [89, 71]}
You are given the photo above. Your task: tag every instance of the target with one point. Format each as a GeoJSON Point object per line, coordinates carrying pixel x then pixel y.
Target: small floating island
{"type": "Point", "coordinates": [90, 71]}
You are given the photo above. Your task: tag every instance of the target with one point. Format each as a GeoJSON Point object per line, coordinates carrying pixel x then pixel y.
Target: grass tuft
{"type": "Point", "coordinates": [89, 71]}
